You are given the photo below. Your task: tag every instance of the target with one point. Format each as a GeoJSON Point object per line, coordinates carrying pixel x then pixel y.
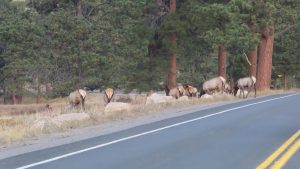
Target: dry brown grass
{"type": "Point", "coordinates": [16, 121]}
{"type": "Point", "coordinates": [14, 128]}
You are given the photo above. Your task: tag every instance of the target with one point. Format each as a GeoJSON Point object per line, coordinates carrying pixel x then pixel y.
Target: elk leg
{"type": "Point", "coordinates": [250, 89]}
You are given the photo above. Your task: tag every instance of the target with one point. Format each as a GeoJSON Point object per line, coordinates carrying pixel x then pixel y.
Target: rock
{"type": "Point", "coordinates": [44, 124]}
{"type": "Point", "coordinates": [157, 98]}
{"type": "Point", "coordinates": [51, 124]}
{"type": "Point", "coordinates": [183, 98]}
{"type": "Point", "coordinates": [117, 106]}
{"type": "Point", "coordinates": [123, 98]}
{"type": "Point", "coordinates": [70, 117]}
{"type": "Point", "coordinates": [207, 96]}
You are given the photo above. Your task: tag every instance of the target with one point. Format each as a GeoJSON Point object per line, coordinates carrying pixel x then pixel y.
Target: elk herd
{"type": "Point", "coordinates": [215, 85]}
{"type": "Point", "coordinates": [209, 87]}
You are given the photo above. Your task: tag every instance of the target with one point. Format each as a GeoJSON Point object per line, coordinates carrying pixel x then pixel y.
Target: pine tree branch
{"type": "Point", "coordinates": [286, 29]}
{"type": "Point", "coordinates": [247, 59]}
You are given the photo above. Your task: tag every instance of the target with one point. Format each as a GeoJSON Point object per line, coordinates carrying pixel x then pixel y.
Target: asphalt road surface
{"type": "Point", "coordinates": [257, 133]}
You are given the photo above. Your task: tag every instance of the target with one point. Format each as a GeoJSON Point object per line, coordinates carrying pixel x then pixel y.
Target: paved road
{"type": "Point", "coordinates": [243, 135]}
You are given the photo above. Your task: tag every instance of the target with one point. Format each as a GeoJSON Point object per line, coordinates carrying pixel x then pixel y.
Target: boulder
{"type": "Point", "coordinates": [183, 98]}
{"type": "Point", "coordinates": [117, 106]}
{"type": "Point", "coordinates": [207, 96]}
{"type": "Point", "coordinates": [158, 98]}
{"type": "Point", "coordinates": [70, 117]}
{"type": "Point", "coordinates": [123, 99]}
{"type": "Point", "coordinates": [44, 124]}
{"type": "Point", "coordinates": [49, 124]}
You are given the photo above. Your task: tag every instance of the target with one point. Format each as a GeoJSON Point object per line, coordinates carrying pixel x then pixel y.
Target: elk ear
{"type": "Point", "coordinates": [112, 95]}
{"type": "Point", "coordinates": [82, 93]}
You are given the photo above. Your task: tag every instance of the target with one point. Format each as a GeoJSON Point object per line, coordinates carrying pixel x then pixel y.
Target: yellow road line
{"type": "Point", "coordinates": [273, 156]}
{"type": "Point", "coordinates": [282, 161]}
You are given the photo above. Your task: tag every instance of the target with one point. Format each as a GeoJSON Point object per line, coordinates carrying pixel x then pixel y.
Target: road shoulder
{"type": "Point", "coordinates": [79, 134]}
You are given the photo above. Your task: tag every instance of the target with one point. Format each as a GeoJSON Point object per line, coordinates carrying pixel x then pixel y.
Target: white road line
{"type": "Point", "coordinates": [146, 133]}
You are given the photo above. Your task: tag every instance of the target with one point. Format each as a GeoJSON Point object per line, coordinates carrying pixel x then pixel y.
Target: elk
{"type": "Point", "coordinates": [149, 93]}
{"type": "Point", "coordinates": [176, 91]}
{"type": "Point", "coordinates": [191, 90]}
{"type": "Point", "coordinates": [77, 97]}
{"type": "Point", "coordinates": [217, 83]}
{"type": "Point", "coordinates": [182, 91]}
{"type": "Point", "coordinates": [48, 108]}
{"type": "Point", "coordinates": [108, 95]}
{"type": "Point", "coordinates": [245, 83]}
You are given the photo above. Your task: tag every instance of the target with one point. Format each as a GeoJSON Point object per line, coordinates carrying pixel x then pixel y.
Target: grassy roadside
{"type": "Point", "coordinates": [20, 127]}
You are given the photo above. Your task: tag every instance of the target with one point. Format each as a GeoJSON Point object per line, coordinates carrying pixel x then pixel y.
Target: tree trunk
{"type": "Point", "coordinates": [172, 5]}
{"type": "Point", "coordinates": [222, 57]}
{"type": "Point", "coordinates": [252, 56]}
{"type": "Point", "coordinates": [39, 93]}
{"type": "Point", "coordinates": [19, 99]}
{"type": "Point", "coordinates": [172, 70]}
{"type": "Point", "coordinates": [6, 98]}
{"type": "Point", "coordinates": [151, 52]}
{"type": "Point", "coordinates": [172, 59]}
{"type": "Point", "coordinates": [78, 71]}
{"type": "Point", "coordinates": [13, 97]}
{"type": "Point", "coordinates": [285, 81]}
{"type": "Point", "coordinates": [232, 80]}
{"type": "Point", "coordinates": [265, 61]}
{"type": "Point", "coordinates": [79, 8]}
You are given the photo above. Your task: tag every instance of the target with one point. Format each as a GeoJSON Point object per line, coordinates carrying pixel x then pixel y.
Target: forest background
{"type": "Point", "coordinates": [51, 47]}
